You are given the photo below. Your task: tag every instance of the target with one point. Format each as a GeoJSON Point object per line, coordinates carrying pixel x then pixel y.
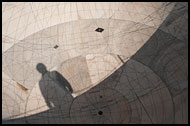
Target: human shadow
{"type": "Point", "coordinates": [51, 85]}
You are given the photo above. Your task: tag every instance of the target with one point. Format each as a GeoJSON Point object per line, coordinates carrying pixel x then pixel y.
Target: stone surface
{"type": "Point", "coordinates": [132, 70]}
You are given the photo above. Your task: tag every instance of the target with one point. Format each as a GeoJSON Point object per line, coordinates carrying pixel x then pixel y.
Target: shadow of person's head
{"type": "Point", "coordinates": [41, 68]}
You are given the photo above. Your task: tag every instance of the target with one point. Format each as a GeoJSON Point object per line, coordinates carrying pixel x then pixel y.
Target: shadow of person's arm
{"type": "Point", "coordinates": [48, 104]}
{"type": "Point", "coordinates": [44, 90]}
{"type": "Point", "coordinates": [63, 82]}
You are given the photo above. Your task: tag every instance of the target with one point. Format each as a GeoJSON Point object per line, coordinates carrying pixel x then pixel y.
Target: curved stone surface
{"type": "Point", "coordinates": [122, 62]}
